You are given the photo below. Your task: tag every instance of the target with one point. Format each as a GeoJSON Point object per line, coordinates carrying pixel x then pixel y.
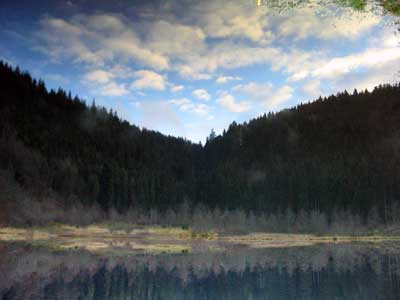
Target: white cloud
{"type": "Point", "coordinates": [105, 83]}
{"type": "Point", "coordinates": [228, 55]}
{"type": "Point", "coordinates": [60, 40]}
{"type": "Point", "coordinates": [383, 50]}
{"type": "Point", "coordinates": [148, 80]}
{"type": "Point", "coordinates": [187, 105]}
{"type": "Point", "coordinates": [201, 94]}
{"type": "Point", "coordinates": [127, 45]}
{"type": "Point", "coordinates": [99, 76]}
{"type": "Point", "coordinates": [100, 40]}
{"type": "Point", "coordinates": [348, 23]}
{"type": "Point", "coordinates": [222, 19]}
{"type": "Point", "coordinates": [175, 39]}
{"type": "Point", "coordinates": [240, 38]}
{"type": "Point", "coordinates": [121, 71]}
{"type": "Point", "coordinates": [179, 102]}
{"type": "Point", "coordinates": [188, 72]}
{"type": "Point", "coordinates": [387, 73]}
{"type": "Point", "coordinates": [256, 90]}
{"type": "Point", "coordinates": [333, 67]}
{"type": "Point", "coordinates": [114, 89]}
{"type": "Point", "coordinates": [105, 22]}
{"type": "Point", "coordinates": [95, 40]}
{"type": "Point", "coordinates": [279, 97]}
{"type": "Point", "coordinates": [228, 101]}
{"type": "Point", "coordinates": [265, 93]}
{"type": "Point", "coordinates": [369, 58]}
{"type": "Point", "coordinates": [213, 37]}
{"type": "Point", "coordinates": [199, 109]}
{"type": "Point", "coordinates": [224, 79]}
{"type": "Point", "coordinates": [312, 88]}
{"type": "Point", "coordinates": [176, 88]}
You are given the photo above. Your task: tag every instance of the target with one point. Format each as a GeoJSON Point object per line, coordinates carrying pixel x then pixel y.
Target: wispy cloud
{"type": "Point", "coordinates": [224, 79]}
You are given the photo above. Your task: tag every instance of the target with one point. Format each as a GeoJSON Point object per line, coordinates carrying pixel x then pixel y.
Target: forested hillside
{"type": "Point", "coordinates": [337, 153]}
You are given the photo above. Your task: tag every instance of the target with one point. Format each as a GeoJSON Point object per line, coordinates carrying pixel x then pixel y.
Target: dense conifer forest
{"type": "Point", "coordinates": [335, 154]}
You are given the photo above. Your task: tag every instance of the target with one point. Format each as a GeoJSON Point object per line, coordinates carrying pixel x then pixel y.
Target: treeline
{"type": "Point", "coordinates": [201, 219]}
{"type": "Point", "coordinates": [340, 153]}
{"type": "Point", "coordinates": [51, 141]}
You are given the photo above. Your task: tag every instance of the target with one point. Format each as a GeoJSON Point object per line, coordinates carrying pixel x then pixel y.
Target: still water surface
{"type": "Point", "coordinates": [347, 271]}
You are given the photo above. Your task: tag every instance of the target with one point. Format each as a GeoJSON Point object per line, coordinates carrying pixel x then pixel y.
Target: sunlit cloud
{"type": "Point", "coordinates": [99, 76]}
{"type": "Point", "coordinates": [231, 19]}
{"type": "Point", "coordinates": [148, 80]}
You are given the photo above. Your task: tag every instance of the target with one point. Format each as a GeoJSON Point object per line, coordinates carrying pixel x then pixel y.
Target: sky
{"type": "Point", "coordinates": [184, 67]}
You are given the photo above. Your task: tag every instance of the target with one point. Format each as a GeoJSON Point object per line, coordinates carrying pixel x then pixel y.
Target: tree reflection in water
{"type": "Point", "coordinates": [318, 272]}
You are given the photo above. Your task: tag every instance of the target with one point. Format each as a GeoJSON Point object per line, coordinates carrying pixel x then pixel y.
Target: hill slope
{"type": "Point", "coordinates": [337, 153]}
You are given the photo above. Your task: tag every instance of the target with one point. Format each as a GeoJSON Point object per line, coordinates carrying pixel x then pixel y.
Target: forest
{"type": "Point", "coordinates": [335, 158]}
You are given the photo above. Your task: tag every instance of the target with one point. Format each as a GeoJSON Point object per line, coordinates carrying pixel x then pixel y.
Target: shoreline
{"type": "Point", "coordinates": [153, 239]}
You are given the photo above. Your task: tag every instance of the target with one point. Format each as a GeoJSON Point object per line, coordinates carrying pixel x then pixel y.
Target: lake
{"type": "Point", "coordinates": [326, 271]}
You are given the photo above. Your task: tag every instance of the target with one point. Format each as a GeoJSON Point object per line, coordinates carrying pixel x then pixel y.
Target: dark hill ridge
{"type": "Point", "coordinates": [340, 152]}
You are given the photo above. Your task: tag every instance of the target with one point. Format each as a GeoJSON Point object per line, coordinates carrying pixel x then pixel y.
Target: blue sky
{"type": "Point", "coordinates": [184, 67]}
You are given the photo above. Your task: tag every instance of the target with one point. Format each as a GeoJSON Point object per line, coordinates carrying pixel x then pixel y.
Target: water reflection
{"type": "Point", "coordinates": [318, 272]}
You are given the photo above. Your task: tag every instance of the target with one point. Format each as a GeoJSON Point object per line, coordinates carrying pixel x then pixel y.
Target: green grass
{"type": "Point", "coordinates": [357, 4]}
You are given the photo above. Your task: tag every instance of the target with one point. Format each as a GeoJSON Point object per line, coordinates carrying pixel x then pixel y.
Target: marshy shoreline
{"type": "Point", "coordinates": [127, 239]}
